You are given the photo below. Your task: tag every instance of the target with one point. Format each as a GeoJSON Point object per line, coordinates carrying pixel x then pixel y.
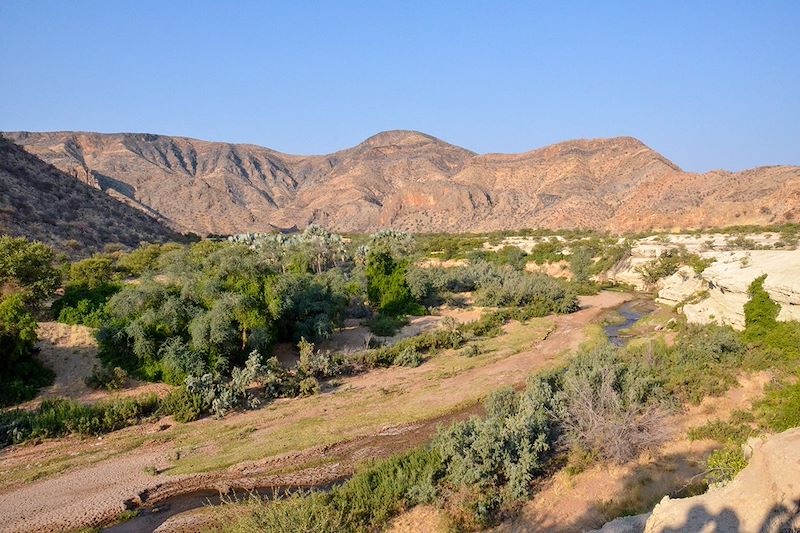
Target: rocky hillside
{"type": "Point", "coordinates": [408, 180]}
{"type": "Point", "coordinates": [41, 202]}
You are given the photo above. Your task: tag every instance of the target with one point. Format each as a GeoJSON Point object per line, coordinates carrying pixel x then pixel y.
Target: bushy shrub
{"type": "Point", "coordinates": [387, 288]}
{"type": "Point", "coordinates": [723, 464]}
{"type": "Point", "coordinates": [703, 362]}
{"type": "Point", "coordinates": [613, 408]}
{"type": "Point", "coordinates": [183, 405]}
{"type": "Point", "coordinates": [84, 305]}
{"type": "Point", "coordinates": [779, 409]}
{"type": "Point", "coordinates": [386, 325]}
{"type": "Point", "coordinates": [549, 251]}
{"type": "Point", "coordinates": [760, 312]}
{"type": "Point", "coordinates": [27, 278]}
{"type": "Point", "coordinates": [106, 378]}
{"type": "Point", "coordinates": [363, 504]}
{"type": "Point", "coordinates": [92, 272]}
{"type": "Point", "coordinates": [519, 289]}
{"type": "Point", "coordinates": [20, 374]}
{"type": "Point", "coordinates": [669, 262]}
{"type": "Point", "coordinates": [316, 363]}
{"type": "Point", "coordinates": [512, 256]}
{"type": "Point", "coordinates": [580, 264]}
{"type": "Point", "coordinates": [58, 417]}
{"type": "Point", "coordinates": [409, 357]}
{"type": "Point", "coordinates": [309, 386]}
{"type": "Point", "coordinates": [500, 453]}
{"type": "Point", "coordinates": [27, 270]}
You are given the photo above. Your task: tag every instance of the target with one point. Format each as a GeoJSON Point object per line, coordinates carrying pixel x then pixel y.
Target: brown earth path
{"type": "Point", "coordinates": [73, 482]}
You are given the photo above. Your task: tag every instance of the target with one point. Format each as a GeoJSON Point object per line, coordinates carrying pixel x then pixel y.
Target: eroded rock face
{"type": "Point", "coordinates": [728, 279]}
{"type": "Point", "coordinates": [719, 293]}
{"type": "Point", "coordinates": [763, 498]}
{"type": "Point", "coordinates": [681, 286]}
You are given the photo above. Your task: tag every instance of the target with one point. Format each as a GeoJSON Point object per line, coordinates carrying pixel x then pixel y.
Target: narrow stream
{"type": "Point", "coordinates": [632, 312]}
{"type": "Point", "coordinates": [151, 517]}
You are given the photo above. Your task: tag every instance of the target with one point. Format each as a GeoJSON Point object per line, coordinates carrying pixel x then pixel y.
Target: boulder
{"type": "Point", "coordinates": [680, 286]}
{"type": "Point", "coordinates": [763, 498]}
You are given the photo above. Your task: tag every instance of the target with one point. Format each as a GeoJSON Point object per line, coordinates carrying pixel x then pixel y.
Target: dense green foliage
{"type": "Point", "coordinates": [494, 286]}
{"type": "Point", "coordinates": [549, 251]}
{"type": "Point", "coordinates": [760, 312]}
{"type": "Point", "coordinates": [512, 256]}
{"type": "Point", "coordinates": [213, 305]}
{"type": "Point", "coordinates": [27, 278]}
{"type": "Point", "coordinates": [704, 361]}
{"type": "Point", "coordinates": [82, 304]}
{"type": "Point", "coordinates": [386, 325]}
{"type": "Point", "coordinates": [59, 417]}
{"type": "Point", "coordinates": [387, 288]}
{"type": "Point", "coordinates": [20, 375]}
{"type": "Point", "coordinates": [27, 269]}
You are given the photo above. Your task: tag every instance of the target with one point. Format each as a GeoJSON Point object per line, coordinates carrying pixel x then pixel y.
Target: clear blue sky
{"type": "Point", "coordinates": [708, 84]}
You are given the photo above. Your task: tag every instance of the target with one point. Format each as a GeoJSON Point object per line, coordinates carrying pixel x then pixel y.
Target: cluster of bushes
{"type": "Point", "coordinates": [479, 469]}
{"type": "Point", "coordinates": [28, 278]}
{"type": "Point", "coordinates": [210, 306]}
{"type": "Point", "coordinates": [512, 256]}
{"type": "Point", "coordinates": [669, 262]}
{"type": "Point", "coordinates": [59, 417]}
{"type": "Point", "coordinates": [770, 344]}
{"type": "Point", "coordinates": [364, 503]}
{"type": "Point", "coordinates": [494, 286]}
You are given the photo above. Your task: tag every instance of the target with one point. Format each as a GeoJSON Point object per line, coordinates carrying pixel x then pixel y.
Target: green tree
{"type": "Point", "coordinates": [580, 263]}
{"type": "Point", "coordinates": [26, 268]}
{"type": "Point", "coordinates": [93, 272]}
{"type": "Point", "coordinates": [760, 312]}
{"type": "Point", "coordinates": [387, 289]}
{"type": "Point", "coordinates": [17, 332]}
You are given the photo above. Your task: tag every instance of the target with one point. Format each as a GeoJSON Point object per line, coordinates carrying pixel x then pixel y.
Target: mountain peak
{"type": "Point", "coordinates": [401, 137]}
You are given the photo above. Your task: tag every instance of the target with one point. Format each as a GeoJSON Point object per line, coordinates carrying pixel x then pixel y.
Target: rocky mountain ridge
{"type": "Point", "coordinates": [41, 202]}
{"type": "Point", "coordinates": [413, 181]}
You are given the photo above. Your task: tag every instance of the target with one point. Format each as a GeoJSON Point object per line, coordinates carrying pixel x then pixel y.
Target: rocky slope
{"type": "Point", "coordinates": [41, 202]}
{"type": "Point", "coordinates": [412, 181]}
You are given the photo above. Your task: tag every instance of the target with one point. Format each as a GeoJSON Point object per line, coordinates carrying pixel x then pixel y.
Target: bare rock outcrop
{"type": "Point", "coordinates": [680, 286]}
{"type": "Point", "coordinates": [728, 279]}
{"type": "Point", "coordinates": [763, 498]}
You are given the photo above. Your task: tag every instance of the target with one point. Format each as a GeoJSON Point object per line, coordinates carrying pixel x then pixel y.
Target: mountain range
{"type": "Point", "coordinates": [411, 181]}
